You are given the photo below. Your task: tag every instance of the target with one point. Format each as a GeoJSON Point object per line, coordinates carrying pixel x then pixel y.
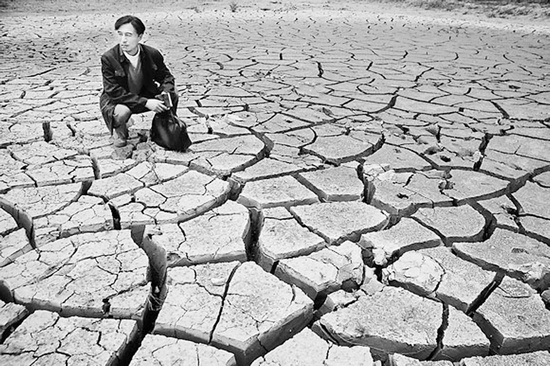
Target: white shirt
{"type": "Point", "coordinates": [134, 60]}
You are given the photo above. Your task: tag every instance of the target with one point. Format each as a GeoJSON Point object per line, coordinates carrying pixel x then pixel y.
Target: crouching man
{"type": "Point", "coordinates": [134, 75]}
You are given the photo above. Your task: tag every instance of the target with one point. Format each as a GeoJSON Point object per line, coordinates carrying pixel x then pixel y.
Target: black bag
{"type": "Point", "coordinates": [170, 132]}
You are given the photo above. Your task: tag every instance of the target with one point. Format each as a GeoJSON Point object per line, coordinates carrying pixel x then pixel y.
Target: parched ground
{"type": "Point", "coordinates": [368, 185]}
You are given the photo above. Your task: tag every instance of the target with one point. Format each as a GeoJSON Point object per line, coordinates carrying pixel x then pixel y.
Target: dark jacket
{"type": "Point", "coordinates": [114, 68]}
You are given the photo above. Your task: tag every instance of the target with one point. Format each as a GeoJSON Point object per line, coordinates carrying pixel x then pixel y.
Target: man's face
{"type": "Point", "coordinates": [128, 38]}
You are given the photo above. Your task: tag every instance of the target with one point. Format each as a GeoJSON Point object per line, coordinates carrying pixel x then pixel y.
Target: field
{"type": "Point", "coordinates": [532, 9]}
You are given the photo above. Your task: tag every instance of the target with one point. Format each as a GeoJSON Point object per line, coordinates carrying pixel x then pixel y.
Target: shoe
{"type": "Point", "coordinates": [121, 136]}
{"type": "Point", "coordinates": [120, 142]}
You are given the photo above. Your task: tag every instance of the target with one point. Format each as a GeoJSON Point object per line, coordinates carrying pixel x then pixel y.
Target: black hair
{"type": "Point", "coordinates": [135, 21]}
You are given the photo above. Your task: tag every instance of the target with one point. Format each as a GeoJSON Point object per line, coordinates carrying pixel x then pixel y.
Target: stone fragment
{"type": "Point", "coordinates": [12, 172]}
{"type": "Point", "coordinates": [462, 338]}
{"type": "Point", "coordinates": [511, 166]}
{"type": "Point", "coordinates": [461, 147]}
{"type": "Point", "coordinates": [371, 103]}
{"type": "Point", "coordinates": [503, 212]}
{"type": "Point", "coordinates": [219, 235]}
{"type": "Point", "coordinates": [324, 271]}
{"type": "Point", "coordinates": [160, 155]}
{"type": "Point", "coordinates": [182, 198]}
{"type": "Point", "coordinates": [13, 245]}
{"type": "Point", "coordinates": [521, 110]}
{"type": "Point", "coordinates": [535, 358]}
{"type": "Point", "coordinates": [88, 214]}
{"type": "Point", "coordinates": [536, 226]}
{"type": "Point", "coordinates": [340, 221]}
{"type": "Point", "coordinates": [7, 223]}
{"type": "Point", "coordinates": [415, 272]}
{"type": "Point", "coordinates": [87, 128]}
{"type": "Point", "coordinates": [10, 315]}
{"type": "Point", "coordinates": [462, 282]}
{"type": "Point", "coordinates": [41, 201]}
{"type": "Point", "coordinates": [48, 339]}
{"type": "Point", "coordinates": [19, 133]}
{"type": "Point", "coordinates": [232, 306]}
{"type": "Point", "coordinates": [293, 155]}
{"type": "Point", "coordinates": [155, 173]}
{"type": "Point", "coordinates": [98, 144]}
{"type": "Point", "coordinates": [515, 319]}
{"type": "Point", "coordinates": [76, 275]}
{"type": "Point", "coordinates": [519, 256]}
{"type": "Point", "coordinates": [224, 156]}
{"type": "Point", "coordinates": [462, 223]}
{"type": "Point", "coordinates": [194, 300]}
{"type": "Point", "coordinates": [451, 152]}
{"type": "Point", "coordinates": [295, 138]}
{"type": "Point", "coordinates": [415, 106]}
{"type": "Point", "coordinates": [397, 359]}
{"type": "Point", "coordinates": [280, 123]}
{"type": "Point", "coordinates": [282, 237]}
{"type": "Point", "coordinates": [334, 184]}
{"type": "Point", "coordinates": [520, 145]}
{"type": "Point", "coordinates": [398, 158]}
{"type": "Point", "coordinates": [110, 167]}
{"type": "Point", "coordinates": [402, 193]}
{"type": "Point", "coordinates": [75, 169]}
{"type": "Point", "coordinates": [543, 179]}
{"type": "Point", "coordinates": [342, 148]}
{"type": "Point", "coordinates": [40, 153]}
{"type": "Point", "coordinates": [530, 129]}
{"type": "Point", "coordinates": [326, 99]}
{"type": "Point", "coordinates": [533, 200]}
{"type": "Point", "coordinates": [407, 235]}
{"type": "Point", "coordinates": [114, 186]}
{"type": "Point", "coordinates": [267, 168]}
{"type": "Point", "coordinates": [467, 186]}
{"type": "Point", "coordinates": [393, 197]}
{"type": "Point", "coordinates": [227, 125]}
{"type": "Point", "coordinates": [308, 349]}
{"type": "Point", "coordinates": [340, 298]}
{"type": "Point", "coordinates": [390, 320]}
{"type": "Point", "coordinates": [164, 351]}
{"type": "Point", "coordinates": [259, 313]}
{"type": "Point", "coordinates": [282, 191]}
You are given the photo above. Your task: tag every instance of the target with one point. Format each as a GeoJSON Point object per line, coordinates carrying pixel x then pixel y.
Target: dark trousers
{"type": "Point", "coordinates": [116, 116]}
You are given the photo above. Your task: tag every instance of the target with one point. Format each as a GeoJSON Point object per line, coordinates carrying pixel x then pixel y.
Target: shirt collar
{"type": "Point", "coordinates": [123, 57]}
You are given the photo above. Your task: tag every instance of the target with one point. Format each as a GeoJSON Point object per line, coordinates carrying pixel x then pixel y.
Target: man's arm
{"type": "Point", "coordinates": [163, 76]}
{"type": "Point", "coordinates": [115, 91]}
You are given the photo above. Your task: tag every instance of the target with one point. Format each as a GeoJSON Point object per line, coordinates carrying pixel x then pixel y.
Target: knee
{"type": "Point", "coordinates": [122, 114]}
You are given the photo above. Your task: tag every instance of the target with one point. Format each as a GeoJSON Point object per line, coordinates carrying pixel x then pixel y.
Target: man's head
{"type": "Point", "coordinates": [130, 30]}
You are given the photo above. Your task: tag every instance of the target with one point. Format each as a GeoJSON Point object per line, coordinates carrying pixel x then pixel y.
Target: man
{"type": "Point", "coordinates": [134, 75]}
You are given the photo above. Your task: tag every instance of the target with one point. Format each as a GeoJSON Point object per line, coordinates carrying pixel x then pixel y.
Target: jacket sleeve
{"type": "Point", "coordinates": [112, 87]}
{"type": "Point", "coordinates": [163, 76]}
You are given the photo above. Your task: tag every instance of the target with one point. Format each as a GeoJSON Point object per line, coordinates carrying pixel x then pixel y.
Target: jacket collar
{"type": "Point", "coordinates": [123, 58]}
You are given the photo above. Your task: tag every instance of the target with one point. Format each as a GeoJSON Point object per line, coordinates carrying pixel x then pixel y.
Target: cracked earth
{"type": "Point", "coordinates": [365, 187]}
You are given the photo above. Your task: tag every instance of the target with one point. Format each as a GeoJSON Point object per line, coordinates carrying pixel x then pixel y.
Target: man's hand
{"type": "Point", "coordinates": [156, 105]}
